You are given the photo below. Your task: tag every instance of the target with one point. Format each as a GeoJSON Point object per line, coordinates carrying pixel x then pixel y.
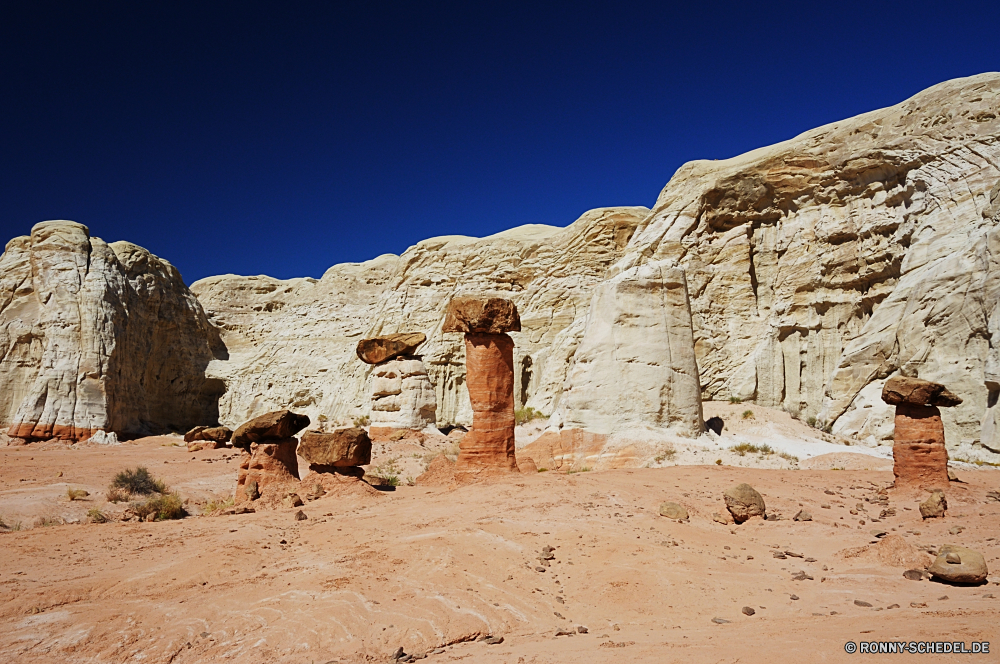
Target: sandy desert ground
{"type": "Point", "coordinates": [435, 570]}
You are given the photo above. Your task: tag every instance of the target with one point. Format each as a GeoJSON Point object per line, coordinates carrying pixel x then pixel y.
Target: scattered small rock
{"type": "Point", "coordinates": [892, 606]}
{"type": "Point", "coordinates": [956, 564]}
{"type": "Point", "coordinates": [718, 518]}
{"type": "Point", "coordinates": [748, 611]}
{"type": "Point", "coordinates": [300, 516]}
{"type": "Point", "coordinates": [955, 530]}
{"type": "Point", "coordinates": [744, 502]}
{"type": "Point", "coordinates": [779, 554]}
{"type": "Point", "coordinates": [719, 621]}
{"type": "Point", "coordinates": [942, 597]}
{"type": "Point", "coordinates": [918, 605]}
{"type": "Point", "coordinates": [562, 631]}
{"type": "Point", "coordinates": [494, 640]}
{"type": "Point", "coordinates": [858, 602]}
{"type": "Point", "coordinates": [803, 516]}
{"type": "Point", "coordinates": [935, 506]}
{"type": "Point", "coordinates": [793, 555]}
{"type": "Point", "coordinates": [801, 576]}
{"type": "Point", "coordinates": [292, 500]}
{"type": "Point", "coordinates": [793, 597]}
{"type": "Point", "coordinates": [539, 569]}
{"type": "Point", "coordinates": [580, 629]}
{"type": "Point", "coordinates": [914, 574]}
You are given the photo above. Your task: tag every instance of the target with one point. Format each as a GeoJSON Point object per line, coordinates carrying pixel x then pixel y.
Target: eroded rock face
{"type": "Point", "coordinates": [279, 425]}
{"type": "Point", "coordinates": [917, 392]}
{"type": "Point", "coordinates": [490, 376]}
{"type": "Point", "coordinates": [99, 337]}
{"type": "Point", "coordinates": [390, 346]}
{"type": "Point", "coordinates": [920, 459]}
{"type": "Point", "coordinates": [402, 395]}
{"type": "Point", "coordinates": [271, 470]}
{"type": "Point", "coordinates": [636, 363]}
{"type": "Point", "coordinates": [957, 564]}
{"type": "Point", "coordinates": [341, 448]}
{"type": "Point", "coordinates": [743, 502]}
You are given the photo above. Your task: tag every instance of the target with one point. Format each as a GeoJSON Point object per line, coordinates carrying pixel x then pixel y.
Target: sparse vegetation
{"type": "Point", "coordinates": [164, 507]}
{"type": "Point", "coordinates": [811, 421]}
{"type": "Point", "coordinates": [666, 454]}
{"type": "Point", "coordinates": [115, 495]}
{"type": "Point", "coordinates": [525, 415]}
{"type": "Point", "coordinates": [748, 415]}
{"type": "Point", "coordinates": [97, 516]}
{"type": "Point", "coordinates": [137, 482]}
{"type": "Point", "coordinates": [585, 469]}
{"type": "Point", "coordinates": [410, 481]}
{"type": "Point", "coordinates": [76, 494]}
{"type": "Point", "coordinates": [321, 417]}
{"type": "Point", "coordinates": [47, 521]}
{"type": "Point", "coordinates": [788, 457]}
{"type": "Point", "coordinates": [978, 462]}
{"type": "Point", "coordinates": [749, 448]}
{"type": "Point", "coordinates": [213, 505]}
{"type": "Point", "coordinates": [543, 470]}
{"type": "Point", "coordinates": [362, 421]}
{"type": "Point", "coordinates": [735, 400]}
{"type": "Point", "coordinates": [388, 472]}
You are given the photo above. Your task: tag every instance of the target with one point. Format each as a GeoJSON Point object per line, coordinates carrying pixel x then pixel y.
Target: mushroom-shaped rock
{"type": "Point", "coordinates": [934, 506]}
{"type": "Point", "coordinates": [920, 459]}
{"type": "Point", "coordinates": [486, 315]}
{"type": "Point", "coordinates": [390, 346]}
{"type": "Point", "coordinates": [956, 564]}
{"type": "Point", "coordinates": [341, 448]}
{"type": "Point", "coordinates": [279, 425]}
{"type": "Point", "coordinates": [917, 392]}
{"type": "Point", "coordinates": [743, 502]}
{"type": "Point", "coordinates": [270, 472]}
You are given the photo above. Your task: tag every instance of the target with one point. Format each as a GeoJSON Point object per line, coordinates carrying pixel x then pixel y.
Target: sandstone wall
{"type": "Point", "coordinates": [816, 268]}
{"type": "Point", "coordinates": [99, 337]}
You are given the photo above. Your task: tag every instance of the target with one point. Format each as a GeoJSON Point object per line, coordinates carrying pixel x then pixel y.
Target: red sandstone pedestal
{"type": "Point", "coordinates": [920, 459]}
{"type": "Point", "coordinates": [489, 362]}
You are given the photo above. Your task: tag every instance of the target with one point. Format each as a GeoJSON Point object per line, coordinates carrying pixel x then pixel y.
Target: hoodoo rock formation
{"type": "Point", "coordinates": [98, 337]}
{"type": "Point", "coordinates": [342, 450]}
{"type": "Point", "coordinates": [402, 397]}
{"type": "Point", "coordinates": [489, 358]}
{"type": "Point", "coordinates": [271, 469]}
{"type": "Point", "coordinates": [920, 457]}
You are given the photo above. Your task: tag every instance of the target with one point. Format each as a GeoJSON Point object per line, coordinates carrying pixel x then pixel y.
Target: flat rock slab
{"type": "Point", "coordinates": [902, 389]}
{"type": "Point", "coordinates": [343, 447]}
{"type": "Point", "coordinates": [486, 315]}
{"type": "Point", "coordinates": [390, 346]}
{"type": "Point", "coordinates": [279, 425]}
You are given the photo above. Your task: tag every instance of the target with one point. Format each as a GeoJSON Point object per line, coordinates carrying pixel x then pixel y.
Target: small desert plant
{"type": "Point", "coordinates": [788, 457]}
{"type": "Point", "coordinates": [735, 400]}
{"type": "Point", "coordinates": [811, 421]}
{"type": "Point", "coordinates": [543, 470]}
{"type": "Point", "coordinates": [585, 469]}
{"type": "Point", "coordinates": [214, 505]}
{"type": "Point", "coordinates": [388, 472]}
{"type": "Point", "coordinates": [362, 421]}
{"type": "Point", "coordinates": [718, 462]}
{"type": "Point", "coordinates": [321, 417]}
{"type": "Point", "coordinates": [748, 415]}
{"type": "Point", "coordinates": [97, 516]}
{"type": "Point", "coordinates": [665, 455]}
{"type": "Point", "coordinates": [749, 448]}
{"type": "Point", "coordinates": [116, 495]}
{"type": "Point", "coordinates": [76, 494]}
{"type": "Point", "coordinates": [167, 506]}
{"type": "Point", "coordinates": [526, 414]}
{"type": "Point", "coordinates": [46, 521]}
{"type": "Point", "coordinates": [410, 481]}
{"type": "Point", "coordinates": [137, 482]}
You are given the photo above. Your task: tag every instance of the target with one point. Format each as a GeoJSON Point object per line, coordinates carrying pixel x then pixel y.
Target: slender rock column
{"type": "Point", "coordinates": [489, 368]}
{"type": "Point", "coordinates": [920, 458]}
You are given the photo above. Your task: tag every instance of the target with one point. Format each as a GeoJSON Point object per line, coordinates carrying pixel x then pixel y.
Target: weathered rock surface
{"type": "Point", "coordinates": [743, 502]}
{"type": "Point", "coordinates": [673, 511]}
{"type": "Point", "coordinates": [402, 395]}
{"type": "Point", "coordinates": [390, 346]}
{"type": "Point", "coordinates": [920, 458]}
{"type": "Point", "coordinates": [99, 337]}
{"type": "Point", "coordinates": [485, 315]}
{"type": "Point", "coordinates": [271, 471]}
{"type": "Point", "coordinates": [957, 564]}
{"type": "Point", "coordinates": [343, 447]}
{"type": "Point", "coordinates": [635, 365]}
{"type": "Point", "coordinates": [917, 392]}
{"type": "Point", "coordinates": [935, 506]}
{"type": "Point", "coordinates": [279, 425]}
{"type": "Point", "coordinates": [490, 378]}
{"type": "Point", "coordinates": [218, 435]}
{"type": "Point", "coordinates": [817, 269]}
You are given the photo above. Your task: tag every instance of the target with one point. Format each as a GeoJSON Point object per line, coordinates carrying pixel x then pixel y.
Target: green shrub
{"type": "Point", "coordinates": [164, 507]}
{"type": "Point", "coordinates": [735, 400]}
{"type": "Point", "coordinates": [748, 448]}
{"type": "Point", "coordinates": [214, 505]}
{"type": "Point", "coordinates": [543, 470]}
{"type": "Point", "coordinates": [525, 415]}
{"type": "Point", "coordinates": [76, 494]}
{"type": "Point", "coordinates": [748, 415]}
{"type": "Point", "coordinates": [718, 462]}
{"type": "Point", "coordinates": [585, 469]}
{"type": "Point", "coordinates": [388, 472]}
{"type": "Point", "coordinates": [811, 421]}
{"type": "Point", "coordinates": [138, 482]}
{"type": "Point", "coordinates": [788, 457]}
{"type": "Point", "coordinates": [362, 421]}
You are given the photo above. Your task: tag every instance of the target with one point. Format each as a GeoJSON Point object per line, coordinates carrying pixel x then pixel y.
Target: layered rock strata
{"type": "Point", "coordinates": [489, 358]}
{"type": "Point", "coordinates": [402, 397]}
{"type": "Point", "coordinates": [920, 457]}
{"type": "Point", "coordinates": [97, 337]}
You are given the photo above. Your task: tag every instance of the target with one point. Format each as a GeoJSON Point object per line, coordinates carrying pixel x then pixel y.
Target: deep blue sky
{"type": "Point", "coordinates": [281, 138]}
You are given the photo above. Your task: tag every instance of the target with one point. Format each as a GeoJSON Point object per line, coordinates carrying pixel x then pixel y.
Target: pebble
{"type": "Point", "coordinates": [748, 611]}
{"type": "Point", "coordinates": [913, 575]}
{"type": "Point", "coordinates": [801, 576]}
{"type": "Point", "coordinates": [580, 629]}
{"type": "Point", "coordinates": [918, 605]}
{"type": "Point", "coordinates": [719, 621]}
{"type": "Point", "coordinates": [539, 569]}
{"type": "Point", "coordinates": [494, 640]}
{"type": "Point", "coordinates": [793, 597]}
{"type": "Point", "coordinates": [564, 632]}
{"type": "Point", "coordinates": [858, 602]}
{"type": "Point", "coordinates": [300, 516]}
